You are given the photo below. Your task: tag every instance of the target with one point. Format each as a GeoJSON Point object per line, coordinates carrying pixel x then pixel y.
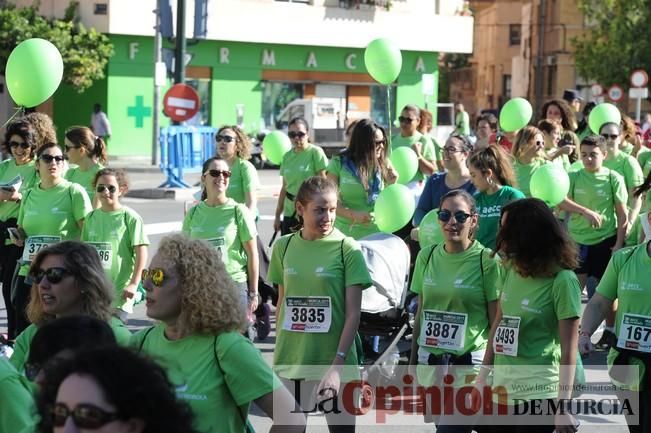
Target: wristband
{"type": "Point", "coordinates": [252, 295]}
{"type": "Point", "coordinates": [341, 355]}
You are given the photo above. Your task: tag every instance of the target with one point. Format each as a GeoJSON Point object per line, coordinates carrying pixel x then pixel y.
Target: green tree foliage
{"type": "Point", "coordinates": [617, 40]}
{"type": "Point", "coordinates": [85, 52]}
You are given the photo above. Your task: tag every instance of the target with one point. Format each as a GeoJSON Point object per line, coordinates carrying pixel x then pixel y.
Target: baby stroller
{"type": "Point", "coordinates": [385, 324]}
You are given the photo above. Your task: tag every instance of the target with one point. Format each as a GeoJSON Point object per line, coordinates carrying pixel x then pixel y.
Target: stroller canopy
{"type": "Point", "coordinates": [387, 258]}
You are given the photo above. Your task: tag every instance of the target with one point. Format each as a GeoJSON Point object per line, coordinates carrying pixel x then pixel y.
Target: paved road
{"type": "Point", "coordinates": [164, 216]}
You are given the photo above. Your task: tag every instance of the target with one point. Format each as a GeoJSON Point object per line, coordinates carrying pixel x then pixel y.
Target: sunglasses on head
{"type": "Point", "coordinates": [217, 173]}
{"type": "Point", "coordinates": [296, 134]}
{"type": "Point", "coordinates": [157, 276]}
{"type": "Point", "coordinates": [22, 145]}
{"type": "Point", "coordinates": [403, 119]}
{"type": "Point", "coordinates": [53, 275]}
{"type": "Point", "coordinates": [610, 136]}
{"type": "Point", "coordinates": [102, 188]}
{"type": "Point", "coordinates": [459, 216]}
{"type": "Point", "coordinates": [224, 138]}
{"type": "Point", "coordinates": [84, 415]}
{"type": "Point", "coordinates": [49, 158]}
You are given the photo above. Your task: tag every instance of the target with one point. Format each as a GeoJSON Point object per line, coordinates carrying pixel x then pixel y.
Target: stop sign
{"type": "Point", "coordinates": [181, 102]}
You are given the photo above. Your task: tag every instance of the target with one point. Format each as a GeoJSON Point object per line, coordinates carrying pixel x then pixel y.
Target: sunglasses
{"type": "Point", "coordinates": [49, 158]}
{"type": "Point", "coordinates": [224, 138]}
{"type": "Point", "coordinates": [22, 145]}
{"type": "Point", "coordinates": [53, 275]}
{"type": "Point", "coordinates": [540, 143]}
{"type": "Point", "coordinates": [217, 173]}
{"type": "Point", "coordinates": [296, 134]}
{"type": "Point", "coordinates": [610, 136]}
{"type": "Point", "coordinates": [157, 276]}
{"type": "Point", "coordinates": [402, 119]}
{"type": "Point", "coordinates": [459, 216]}
{"type": "Point", "coordinates": [84, 415]}
{"type": "Point", "coordinates": [102, 188]}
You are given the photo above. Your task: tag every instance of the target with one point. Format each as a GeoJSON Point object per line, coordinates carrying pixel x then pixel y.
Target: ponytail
{"type": "Point", "coordinates": [82, 136]}
{"type": "Point", "coordinates": [497, 160]}
{"type": "Point", "coordinates": [646, 185]}
{"type": "Point", "coordinates": [99, 150]}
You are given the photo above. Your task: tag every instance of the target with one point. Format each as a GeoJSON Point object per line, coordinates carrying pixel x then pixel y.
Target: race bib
{"type": "Point", "coordinates": [217, 243]}
{"type": "Point", "coordinates": [105, 253]}
{"type": "Point", "coordinates": [635, 333]}
{"type": "Point", "coordinates": [34, 244]}
{"type": "Point", "coordinates": [308, 314]}
{"type": "Point", "coordinates": [443, 330]}
{"type": "Point", "coordinates": [506, 336]}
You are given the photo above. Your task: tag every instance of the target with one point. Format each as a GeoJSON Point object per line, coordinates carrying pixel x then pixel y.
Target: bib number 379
{"type": "Point", "coordinates": [635, 333]}
{"type": "Point", "coordinates": [35, 244]}
{"type": "Point", "coordinates": [308, 314]}
{"type": "Point", "coordinates": [506, 336]}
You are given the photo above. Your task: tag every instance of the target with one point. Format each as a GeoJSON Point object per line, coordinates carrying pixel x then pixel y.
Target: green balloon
{"type": "Point", "coordinates": [429, 230]}
{"type": "Point", "coordinates": [515, 114]}
{"type": "Point", "coordinates": [394, 208]}
{"type": "Point", "coordinates": [34, 71]}
{"type": "Point", "coordinates": [383, 60]}
{"type": "Point", "coordinates": [275, 146]}
{"type": "Point", "coordinates": [603, 113]}
{"type": "Point", "coordinates": [576, 166]}
{"type": "Point", "coordinates": [550, 183]}
{"type": "Point", "coordinates": [405, 161]}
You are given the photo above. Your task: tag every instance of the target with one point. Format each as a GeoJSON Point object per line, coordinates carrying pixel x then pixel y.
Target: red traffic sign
{"type": "Point", "coordinates": [615, 93]}
{"type": "Point", "coordinates": [181, 102]}
{"type": "Point", "coordinates": [596, 90]}
{"type": "Point", "coordinates": [639, 78]}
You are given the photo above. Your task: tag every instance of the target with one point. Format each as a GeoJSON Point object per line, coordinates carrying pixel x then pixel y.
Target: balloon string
{"type": "Point", "coordinates": [389, 118]}
{"type": "Point", "coordinates": [13, 116]}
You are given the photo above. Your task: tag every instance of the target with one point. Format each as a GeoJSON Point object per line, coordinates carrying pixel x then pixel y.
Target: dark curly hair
{"type": "Point", "coordinates": [533, 241]}
{"type": "Point", "coordinates": [136, 386]}
{"type": "Point", "coordinates": [22, 128]}
{"type": "Point", "coordinates": [568, 119]}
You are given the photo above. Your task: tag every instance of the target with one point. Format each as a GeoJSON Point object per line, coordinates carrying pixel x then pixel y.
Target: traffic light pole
{"type": "Point", "coordinates": [158, 43]}
{"type": "Point", "coordinates": [179, 53]}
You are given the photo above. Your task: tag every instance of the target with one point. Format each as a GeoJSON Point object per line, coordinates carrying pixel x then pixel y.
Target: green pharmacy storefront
{"type": "Point", "coordinates": [256, 86]}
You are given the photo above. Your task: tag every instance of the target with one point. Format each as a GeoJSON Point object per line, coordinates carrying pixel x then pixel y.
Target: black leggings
{"type": "Point", "coordinates": [9, 255]}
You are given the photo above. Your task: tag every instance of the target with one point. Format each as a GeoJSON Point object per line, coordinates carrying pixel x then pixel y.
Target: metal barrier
{"type": "Point", "coordinates": [183, 149]}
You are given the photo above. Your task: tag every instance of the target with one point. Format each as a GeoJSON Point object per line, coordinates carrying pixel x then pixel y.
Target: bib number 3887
{"type": "Point", "coordinates": [635, 333]}
{"type": "Point", "coordinates": [308, 314]}
{"type": "Point", "coordinates": [506, 336]}
{"type": "Point", "coordinates": [443, 330]}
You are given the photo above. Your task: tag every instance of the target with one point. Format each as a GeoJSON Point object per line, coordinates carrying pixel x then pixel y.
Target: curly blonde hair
{"type": "Point", "coordinates": [82, 261]}
{"type": "Point", "coordinates": [45, 131]}
{"type": "Point", "coordinates": [242, 143]}
{"type": "Point", "coordinates": [210, 302]}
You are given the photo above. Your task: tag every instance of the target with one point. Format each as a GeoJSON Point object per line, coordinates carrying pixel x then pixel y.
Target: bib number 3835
{"type": "Point", "coordinates": [308, 314]}
{"type": "Point", "coordinates": [506, 336]}
{"type": "Point", "coordinates": [635, 333]}
{"type": "Point", "coordinates": [443, 330]}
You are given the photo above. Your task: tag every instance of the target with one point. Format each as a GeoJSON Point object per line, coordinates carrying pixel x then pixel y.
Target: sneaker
{"type": "Point", "coordinates": [608, 339]}
{"type": "Point", "coordinates": [250, 332]}
{"type": "Point", "coordinates": [263, 322]}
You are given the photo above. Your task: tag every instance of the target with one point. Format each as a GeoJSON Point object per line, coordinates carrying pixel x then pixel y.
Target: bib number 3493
{"type": "Point", "coordinates": [635, 333]}
{"type": "Point", "coordinates": [506, 336]}
{"type": "Point", "coordinates": [308, 314]}
{"type": "Point", "coordinates": [443, 330]}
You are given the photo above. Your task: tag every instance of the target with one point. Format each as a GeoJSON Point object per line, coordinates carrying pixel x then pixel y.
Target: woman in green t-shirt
{"type": "Point", "coordinates": [626, 280]}
{"type": "Point", "coordinates": [533, 350]}
{"type": "Point", "coordinates": [529, 153]}
{"type": "Point", "coordinates": [88, 152]}
{"type": "Point", "coordinates": [52, 211]}
{"type": "Point", "coordinates": [457, 298]}
{"type": "Point", "coordinates": [558, 153]}
{"type": "Point", "coordinates": [68, 280]}
{"type": "Point", "coordinates": [118, 234]}
{"type": "Point", "coordinates": [320, 274]}
{"type": "Point", "coordinates": [304, 160]}
{"type": "Point", "coordinates": [361, 172]}
{"type": "Point", "coordinates": [228, 226]}
{"type": "Point", "coordinates": [234, 147]}
{"type": "Point", "coordinates": [492, 174]}
{"type": "Point", "coordinates": [213, 367]}
{"type": "Point", "coordinates": [20, 140]}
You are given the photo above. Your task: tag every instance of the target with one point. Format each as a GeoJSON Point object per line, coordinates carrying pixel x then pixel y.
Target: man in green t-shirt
{"type": "Point", "coordinates": [461, 120]}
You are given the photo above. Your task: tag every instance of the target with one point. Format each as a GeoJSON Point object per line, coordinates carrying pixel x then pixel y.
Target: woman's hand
{"type": "Point", "coordinates": [130, 291]}
{"type": "Point", "coordinates": [360, 217]}
{"type": "Point", "coordinates": [565, 423]}
{"type": "Point", "coordinates": [253, 303]}
{"type": "Point", "coordinates": [585, 344]}
{"type": "Point", "coordinates": [329, 386]}
{"type": "Point", "coordinates": [392, 176]}
{"type": "Point", "coordinates": [566, 150]}
{"type": "Point", "coordinates": [277, 223]}
{"type": "Point", "coordinates": [593, 218]}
